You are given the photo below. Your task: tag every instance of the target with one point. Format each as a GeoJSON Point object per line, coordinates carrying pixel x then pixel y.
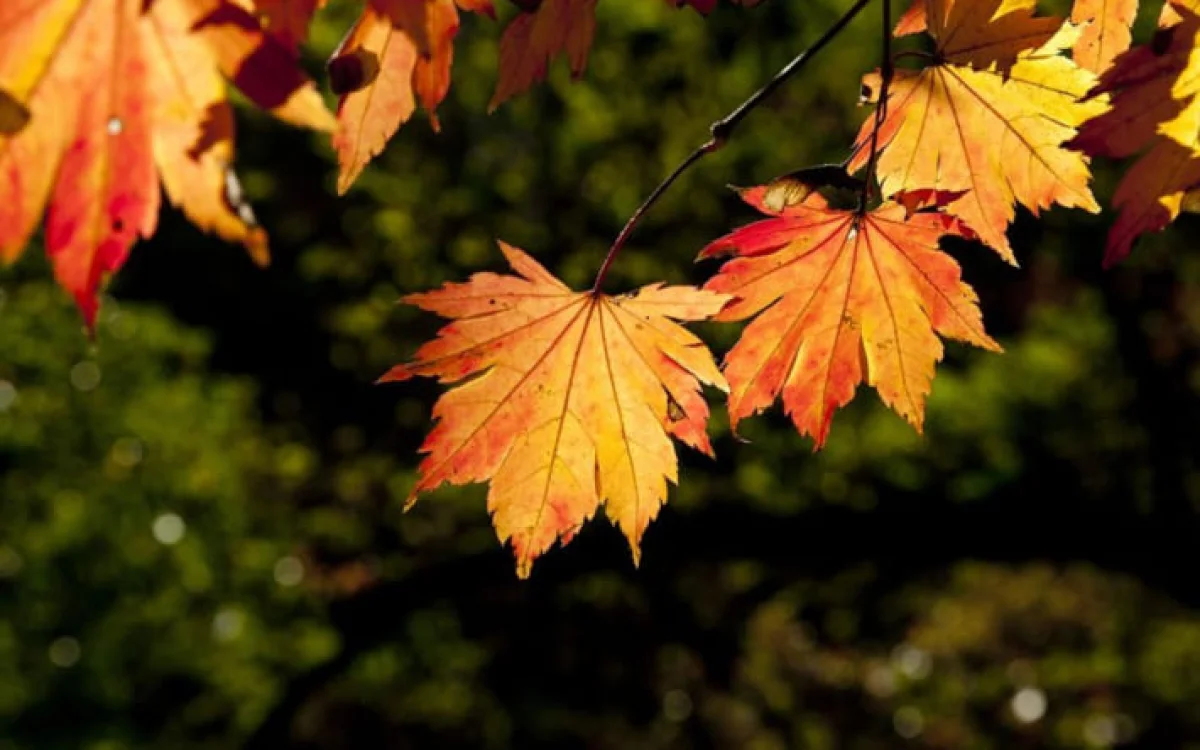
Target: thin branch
{"type": "Point", "coordinates": [886, 72]}
{"type": "Point", "coordinates": [636, 217]}
{"type": "Point", "coordinates": [722, 129]}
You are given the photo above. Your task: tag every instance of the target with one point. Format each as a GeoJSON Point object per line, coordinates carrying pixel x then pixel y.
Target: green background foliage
{"type": "Point", "coordinates": [202, 542]}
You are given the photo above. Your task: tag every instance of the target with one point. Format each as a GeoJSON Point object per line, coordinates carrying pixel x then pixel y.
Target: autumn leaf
{"type": "Point", "coordinates": [1155, 112]}
{"type": "Point", "coordinates": [547, 29]}
{"type": "Point", "coordinates": [398, 54]}
{"type": "Point", "coordinates": [989, 118]}
{"type": "Point", "coordinates": [121, 97]}
{"type": "Point", "coordinates": [1107, 31]}
{"type": "Point", "coordinates": [22, 66]}
{"type": "Point", "coordinates": [287, 20]}
{"type": "Point", "coordinates": [532, 40]}
{"type": "Point", "coordinates": [565, 401]}
{"type": "Point", "coordinates": [839, 298]}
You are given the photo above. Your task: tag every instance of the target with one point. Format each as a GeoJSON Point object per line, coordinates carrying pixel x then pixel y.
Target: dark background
{"type": "Point", "coordinates": [201, 536]}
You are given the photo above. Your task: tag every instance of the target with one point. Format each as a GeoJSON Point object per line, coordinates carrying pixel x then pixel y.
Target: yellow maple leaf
{"type": "Point", "coordinates": [1107, 31]}
{"type": "Point", "coordinates": [567, 402]}
{"type": "Point", "coordinates": [989, 118]}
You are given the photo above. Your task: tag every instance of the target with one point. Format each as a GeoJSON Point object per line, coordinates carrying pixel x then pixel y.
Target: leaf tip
{"type": "Point", "coordinates": [524, 566]}
{"type": "Point", "coordinates": [345, 179]}
{"type": "Point", "coordinates": [397, 374]}
{"type": "Point", "coordinates": [258, 247]}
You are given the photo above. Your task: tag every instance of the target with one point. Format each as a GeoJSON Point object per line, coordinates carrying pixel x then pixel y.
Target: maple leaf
{"type": "Point", "coordinates": [839, 297]}
{"type": "Point", "coordinates": [1155, 110]}
{"type": "Point", "coordinates": [989, 118]}
{"type": "Point", "coordinates": [122, 94]}
{"type": "Point", "coordinates": [566, 401]}
{"type": "Point", "coordinates": [1107, 31]}
{"type": "Point", "coordinates": [532, 40]}
{"type": "Point", "coordinates": [549, 28]}
{"type": "Point", "coordinates": [396, 55]}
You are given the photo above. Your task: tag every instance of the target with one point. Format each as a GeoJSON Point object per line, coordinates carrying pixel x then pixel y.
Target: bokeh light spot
{"type": "Point", "coordinates": [168, 529]}
{"type": "Point", "coordinates": [677, 706]}
{"type": "Point", "coordinates": [1028, 705]}
{"type": "Point", "coordinates": [289, 571]}
{"type": "Point", "coordinates": [85, 376]}
{"type": "Point", "coordinates": [65, 652]}
{"type": "Point", "coordinates": [228, 624]}
{"type": "Point", "coordinates": [908, 722]}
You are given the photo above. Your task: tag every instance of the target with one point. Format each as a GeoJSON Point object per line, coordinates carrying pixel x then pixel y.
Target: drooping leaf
{"type": "Point", "coordinates": [532, 40]}
{"type": "Point", "coordinates": [193, 137]}
{"type": "Point", "coordinates": [799, 187]}
{"type": "Point", "coordinates": [398, 54]}
{"type": "Point", "coordinates": [990, 118]}
{"type": "Point", "coordinates": [566, 400]}
{"type": "Point", "coordinates": [839, 298]}
{"type": "Point", "coordinates": [1155, 112]}
{"type": "Point", "coordinates": [257, 63]}
{"type": "Point", "coordinates": [1107, 31]}
{"type": "Point", "coordinates": [122, 93]}
{"type": "Point", "coordinates": [287, 20]}
{"type": "Point", "coordinates": [549, 28]}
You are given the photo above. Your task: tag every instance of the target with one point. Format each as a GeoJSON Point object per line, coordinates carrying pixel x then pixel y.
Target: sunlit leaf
{"type": "Point", "coordinates": [840, 298]}
{"type": "Point", "coordinates": [121, 94]}
{"type": "Point", "coordinates": [566, 401]}
{"type": "Point", "coordinates": [989, 118]}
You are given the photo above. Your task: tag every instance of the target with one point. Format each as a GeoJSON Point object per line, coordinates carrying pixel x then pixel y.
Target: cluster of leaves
{"type": "Point", "coordinates": [838, 296]}
{"type": "Point", "coordinates": [100, 100]}
{"type": "Point", "coordinates": [569, 400]}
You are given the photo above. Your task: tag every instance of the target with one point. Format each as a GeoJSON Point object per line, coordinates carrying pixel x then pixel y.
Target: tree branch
{"type": "Point", "coordinates": [886, 70]}
{"type": "Point", "coordinates": [722, 130]}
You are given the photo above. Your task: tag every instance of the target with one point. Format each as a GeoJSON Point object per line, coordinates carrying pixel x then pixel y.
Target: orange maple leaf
{"type": "Point", "coordinates": [567, 402]}
{"type": "Point", "coordinates": [1107, 31]}
{"type": "Point", "coordinates": [989, 118]}
{"type": "Point", "coordinates": [839, 297]}
{"type": "Point", "coordinates": [122, 95]}
{"type": "Point", "coordinates": [398, 53]}
{"type": "Point", "coordinates": [1156, 112]}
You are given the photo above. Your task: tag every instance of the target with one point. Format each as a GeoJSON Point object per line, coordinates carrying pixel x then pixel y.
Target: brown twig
{"type": "Point", "coordinates": [722, 129]}
{"type": "Point", "coordinates": [886, 71]}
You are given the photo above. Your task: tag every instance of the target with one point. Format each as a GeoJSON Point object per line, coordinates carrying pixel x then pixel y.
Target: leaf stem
{"type": "Point", "coordinates": [886, 70]}
{"type": "Point", "coordinates": [722, 130]}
